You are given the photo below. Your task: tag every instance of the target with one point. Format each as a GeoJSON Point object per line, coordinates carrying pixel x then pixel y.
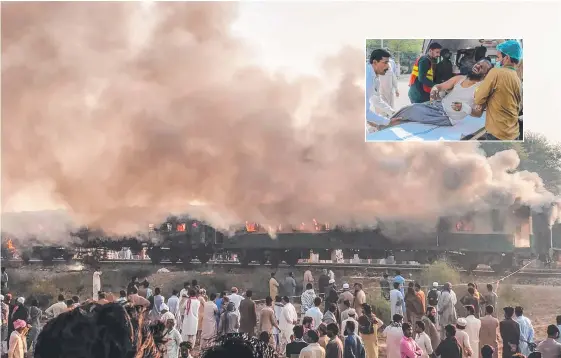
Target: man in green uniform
{"type": "Point", "coordinates": [422, 76]}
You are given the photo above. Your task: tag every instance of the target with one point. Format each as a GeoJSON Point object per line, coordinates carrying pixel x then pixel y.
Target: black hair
{"type": "Point", "coordinates": [396, 285]}
{"type": "Point", "coordinates": [378, 54]}
{"type": "Point", "coordinates": [558, 320]}
{"type": "Point", "coordinates": [313, 336]}
{"type": "Point", "coordinates": [309, 286]}
{"type": "Point", "coordinates": [513, 60]}
{"type": "Point", "coordinates": [194, 283]}
{"type": "Point", "coordinates": [471, 290]}
{"type": "Point", "coordinates": [248, 293]}
{"type": "Point", "coordinates": [174, 292]}
{"type": "Point", "coordinates": [317, 301]}
{"type": "Point", "coordinates": [397, 317]}
{"type": "Point", "coordinates": [450, 329]}
{"type": "Point", "coordinates": [286, 299]}
{"type": "Point", "coordinates": [350, 326]}
{"type": "Point", "coordinates": [509, 311]}
{"type": "Point", "coordinates": [157, 291]}
{"type": "Point", "coordinates": [322, 329]}
{"type": "Point", "coordinates": [367, 309]}
{"type": "Point", "coordinates": [278, 299]}
{"type": "Point", "coordinates": [265, 337]}
{"type": "Point", "coordinates": [332, 307]}
{"type": "Point", "coordinates": [333, 328]}
{"type": "Point", "coordinates": [420, 324]}
{"type": "Point", "coordinates": [269, 300]}
{"type": "Point", "coordinates": [535, 355]}
{"type": "Point", "coordinates": [489, 309]}
{"type": "Point", "coordinates": [76, 299]}
{"type": "Point", "coordinates": [212, 296]}
{"type": "Point", "coordinates": [470, 309]}
{"type": "Point", "coordinates": [405, 327]}
{"type": "Point", "coordinates": [192, 293]}
{"type": "Point", "coordinates": [307, 319]}
{"type": "Point", "coordinates": [35, 302]}
{"type": "Point", "coordinates": [186, 284]}
{"type": "Point", "coordinates": [298, 331]}
{"type": "Point", "coordinates": [123, 293]}
{"type": "Point", "coordinates": [489, 286]}
{"type": "Point", "coordinates": [444, 51]}
{"type": "Point", "coordinates": [61, 298]}
{"type": "Point", "coordinates": [518, 311]}
{"type": "Point", "coordinates": [552, 330]}
{"type": "Point", "coordinates": [101, 295]}
{"type": "Point", "coordinates": [417, 285]}
{"type": "Point", "coordinates": [69, 303]}
{"type": "Point", "coordinates": [487, 351]}
{"type": "Point", "coordinates": [104, 331]}
{"type": "Point", "coordinates": [480, 53]}
{"type": "Point", "coordinates": [239, 345]}
{"type": "Point", "coordinates": [435, 46]}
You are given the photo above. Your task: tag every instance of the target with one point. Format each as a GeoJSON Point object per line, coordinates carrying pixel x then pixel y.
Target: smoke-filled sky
{"type": "Point", "coordinates": [123, 112]}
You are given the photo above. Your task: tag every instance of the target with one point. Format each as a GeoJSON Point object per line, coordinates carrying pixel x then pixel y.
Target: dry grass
{"type": "Point", "coordinates": [440, 272]}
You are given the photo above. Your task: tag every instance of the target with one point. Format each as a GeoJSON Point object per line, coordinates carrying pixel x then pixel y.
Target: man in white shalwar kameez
{"type": "Point", "coordinates": [447, 307]}
{"type": "Point", "coordinates": [287, 321]}
{"type": "Point", "coordinates": [173, 339]}
{"type": "Point", "coordinates": [393, 334]}
{"type": "Point", "coordinates": [191, 319]}
{"type": "Point", "coordinates": [463, 338]}
{"type": "Point", "coordinates": [209, 321]}
{"type": "Point", "coordinates": [473, 325]}
{"type": "Point", "coordinates": [96, 283]}
{"type": "Point", "coordinates": [396, 300]}
{"type": "Point", "coordinates": [526, 330]}
{"type": "Point", "coordinates": [388, 86]}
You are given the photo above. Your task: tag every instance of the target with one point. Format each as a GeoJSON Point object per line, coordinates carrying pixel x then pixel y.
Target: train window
{"type": "Point", "coordinates": [181, 227]}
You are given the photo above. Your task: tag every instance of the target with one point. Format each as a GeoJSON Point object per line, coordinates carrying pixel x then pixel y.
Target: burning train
{"type": "Point", "coordinates": [502, 239]}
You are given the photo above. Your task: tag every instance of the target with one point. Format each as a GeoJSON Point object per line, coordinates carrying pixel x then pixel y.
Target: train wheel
{"type": "Point", "coordinates": [263, 260]}
{"type": "Point", "coordinates": [174, 259]}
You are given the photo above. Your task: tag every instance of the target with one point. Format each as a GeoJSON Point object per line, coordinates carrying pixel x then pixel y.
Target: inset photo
{"type": "Point", "coordinates": [444, 90]}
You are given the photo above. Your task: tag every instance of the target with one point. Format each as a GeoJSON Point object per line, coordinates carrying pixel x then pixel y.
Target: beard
{"type": "Point", "coordinates": [432, 318]}
{"type": "Point", "coordinates": [474, 76]}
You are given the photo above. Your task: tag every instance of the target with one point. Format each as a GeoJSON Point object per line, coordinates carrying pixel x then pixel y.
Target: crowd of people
{"type": "Point", "coordinates": [438, 97]}
{"type": "Point", "coordinates": [330, 323]}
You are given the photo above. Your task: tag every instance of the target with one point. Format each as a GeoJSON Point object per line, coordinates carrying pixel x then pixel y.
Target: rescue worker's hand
{"type": "Point", "coordinates": [434, 93]}
{"type": "Point", "coordinates": [457, 106]}
{"type": "Point", "coordinates": [394, 121]}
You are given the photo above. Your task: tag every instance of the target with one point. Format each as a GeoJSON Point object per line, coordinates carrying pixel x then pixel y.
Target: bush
{"type": "Point", "coordinates": [380, 306]}
{"type": "Point", "coordinates": [440, 272]}
{"type": "Point", "coordinates": [509, 296]}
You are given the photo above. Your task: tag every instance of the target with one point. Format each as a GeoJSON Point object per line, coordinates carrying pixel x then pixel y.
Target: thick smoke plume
{"type": "Point", "coordinates": [128, 112]}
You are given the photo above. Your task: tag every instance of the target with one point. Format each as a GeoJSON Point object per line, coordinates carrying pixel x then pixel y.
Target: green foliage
{"type": "Point", "coordinates": [537, 155]}
{"type": "Point", "coordinates": [509, 296]}
{"type": "Point", "coordinates": [440, 272]}
{"type": "Point", "coordinates": [380, 306]}
{"type": "Point", "coordinates": [396, 47]}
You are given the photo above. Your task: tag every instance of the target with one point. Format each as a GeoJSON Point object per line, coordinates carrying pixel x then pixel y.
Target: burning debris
{"type": "Point", "coordinates": [125, 112]}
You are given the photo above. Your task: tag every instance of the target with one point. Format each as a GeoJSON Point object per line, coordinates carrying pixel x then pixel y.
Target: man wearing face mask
{"type": "Point", "coordinates": [422, 76]}
{"type": "Point", "coordinates": [444, 69]}
{"type": "Point", "coordinates": [501, 94]}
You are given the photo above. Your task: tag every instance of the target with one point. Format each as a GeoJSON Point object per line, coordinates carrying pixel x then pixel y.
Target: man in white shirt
{"type": "Point", "coordinates": [173, 302]}
{"type": "Point", "coordinates": [472, 329]}
{"type": "Point", "coordinates": [234, 297]}
{"type": "Point", "coordinates": [57, 308]}
{"type": "Point", "coordinates": [396, 300]}
{"type": "Point", "coordinates": [423, 339]}
{"type": "Point", "coordinates": [287, 321]}
{"type": "Point", "coordinates": [352, 317]}
{"type": "Point", "coordinates": [315, 313]}
{"type": "Point", "coordinates": [377, 65]}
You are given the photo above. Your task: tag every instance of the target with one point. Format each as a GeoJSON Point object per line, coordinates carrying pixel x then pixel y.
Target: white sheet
{"type": "Point", "coordinates": [426, 132]}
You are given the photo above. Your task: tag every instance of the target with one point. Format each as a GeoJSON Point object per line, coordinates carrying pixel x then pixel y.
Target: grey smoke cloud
{"type": "Point", "coordinates": [128, 113]}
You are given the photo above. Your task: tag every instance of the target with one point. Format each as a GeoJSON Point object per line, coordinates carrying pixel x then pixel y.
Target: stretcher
{"type": "Point", "coordinates": [470, 128]}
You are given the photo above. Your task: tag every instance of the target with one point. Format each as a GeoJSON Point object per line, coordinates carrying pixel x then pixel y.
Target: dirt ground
{"type": "Point", "coordinates": [537, 296]}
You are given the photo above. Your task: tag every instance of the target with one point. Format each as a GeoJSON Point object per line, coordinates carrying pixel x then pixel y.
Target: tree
{"type": "Point", "coordinates": [536, 154]}
{"type": "Point", "coordinates": [396, 47]}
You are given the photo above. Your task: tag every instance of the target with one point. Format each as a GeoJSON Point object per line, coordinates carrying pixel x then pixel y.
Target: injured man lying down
{"type": "Point", "coordinates": [454, 106]}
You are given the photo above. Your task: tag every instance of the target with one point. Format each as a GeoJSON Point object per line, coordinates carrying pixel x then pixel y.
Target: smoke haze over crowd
{"type": "Point", "coordinates": [128, 111]}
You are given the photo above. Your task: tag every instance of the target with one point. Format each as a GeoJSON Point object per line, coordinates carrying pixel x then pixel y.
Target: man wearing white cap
{"type": "Point", "coordinates": [463, 338]}
{"type": "Point", "coordinates": [352, 317]}
{"type": "Point", "coordinates": [346, 295]}
{"type": "Point", "coordinates": [166, 314]}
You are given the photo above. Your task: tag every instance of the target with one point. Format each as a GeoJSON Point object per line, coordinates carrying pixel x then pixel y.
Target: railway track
{"type": "Point", "coordinates": [347, 267]}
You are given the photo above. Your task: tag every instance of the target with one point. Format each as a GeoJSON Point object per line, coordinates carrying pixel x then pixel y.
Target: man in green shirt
{"type": "Point", "coordinates": [422, 76]}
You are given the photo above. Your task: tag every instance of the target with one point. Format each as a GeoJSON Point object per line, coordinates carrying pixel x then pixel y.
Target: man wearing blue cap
{"type": "Point", "coordinates": [501, 93]}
